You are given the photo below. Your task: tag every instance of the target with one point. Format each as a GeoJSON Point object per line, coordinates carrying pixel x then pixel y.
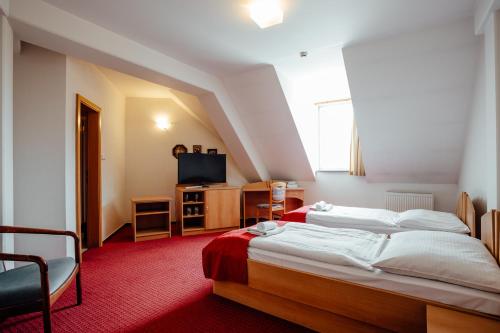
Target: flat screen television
{"type": "Point", "coordinates": [201, 169]}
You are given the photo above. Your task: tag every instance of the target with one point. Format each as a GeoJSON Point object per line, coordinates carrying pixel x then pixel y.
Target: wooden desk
{"type": "Point", "coordinates": [257, 193]}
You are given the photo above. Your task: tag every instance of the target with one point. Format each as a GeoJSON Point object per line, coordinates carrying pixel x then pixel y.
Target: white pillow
{"type": "Point", "coordinates": [443, 256]}
{"type": "Point", "coordinates": [422, 219]}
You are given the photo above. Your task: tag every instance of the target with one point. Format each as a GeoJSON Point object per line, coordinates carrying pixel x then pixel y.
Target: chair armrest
{"type": "Point", "coordinates": [25, 230]}
{"type": "Point", "coordinates": [28, 258]}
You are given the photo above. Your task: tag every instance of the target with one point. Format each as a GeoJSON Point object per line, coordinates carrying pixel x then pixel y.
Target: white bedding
{"type": "Point", "coordinates": [385, 221]}
{"type": "Point", "coordinates": [349, 247]}
{"type": "Point", "coordinates": [442, 292]}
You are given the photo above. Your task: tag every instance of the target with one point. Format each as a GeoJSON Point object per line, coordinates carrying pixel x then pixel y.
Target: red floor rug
{"type": "Point", "coordinates": [151, 286]}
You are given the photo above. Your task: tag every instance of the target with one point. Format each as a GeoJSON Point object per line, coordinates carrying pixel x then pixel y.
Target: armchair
{"type": "Point", "coordinates": [36, 287]}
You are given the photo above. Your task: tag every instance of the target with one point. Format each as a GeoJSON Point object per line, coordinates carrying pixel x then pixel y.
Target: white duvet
{"type": "Point", "coordinates": [337, 246]}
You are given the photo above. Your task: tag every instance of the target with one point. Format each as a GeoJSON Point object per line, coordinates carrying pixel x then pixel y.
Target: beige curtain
{"type": "Point", "coordinates": [356, 167]}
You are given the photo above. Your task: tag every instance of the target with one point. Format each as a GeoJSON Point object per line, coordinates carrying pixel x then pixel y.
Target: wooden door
{"type": "Point", "coordinates": [222, 208]}
{"type": "Point", "coordinates": [88, 172]}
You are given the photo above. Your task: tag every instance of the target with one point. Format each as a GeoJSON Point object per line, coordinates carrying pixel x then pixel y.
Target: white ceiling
{"type": "Point", "coordinates": [217, 36]}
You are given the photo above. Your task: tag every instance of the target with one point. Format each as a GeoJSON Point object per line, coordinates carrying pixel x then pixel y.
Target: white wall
{"type": "Point", "coordinates": [306, 119]}
{"type": "Point", "coordinates": [6, 135]}
{"type": "Point", "coordinates": [342, 189]}
{"type": "Point", "coordinates": [411, 95]}
{"type": "Point", "coordinates": [492, 91]}
{"type": "Point", "coordinates": [473, 176]}
{"type": "Point", "coordinates": [87, 80]}
{"type": "Point", "coordinates": [39, 148]}
{"type": "Point", "coordinates": [45, 87]}
{"type": "Point", "coordinates": [480, 166]}
{"type": "Point", "coordinates": [151, 168]}
{"type": "Point", "coordinates": [261, 103]}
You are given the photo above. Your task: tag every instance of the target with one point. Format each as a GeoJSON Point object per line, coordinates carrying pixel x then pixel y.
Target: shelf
{"type": "Point", "coordinates": [193, 202]}
{"type": "Point", "coordinates": [192, 216]}
{"type": "Point", "coordinates": [156, 212]}
{"type": "Point", "coordinates": [193, 228]}
{"type": "Point", "coordinates": [152, 232]}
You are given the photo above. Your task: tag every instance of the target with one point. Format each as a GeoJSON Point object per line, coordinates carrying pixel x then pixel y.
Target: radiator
{"type": "Point", "coordinates": [400, 201]}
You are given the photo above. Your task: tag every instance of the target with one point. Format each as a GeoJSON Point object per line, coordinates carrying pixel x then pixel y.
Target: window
{"type": "Point", "coordinates": [335, 122]}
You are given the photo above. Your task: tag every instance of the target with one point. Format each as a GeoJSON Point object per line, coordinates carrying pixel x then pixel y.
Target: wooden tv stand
{"type": "Point", "coordinates": [207, 209]}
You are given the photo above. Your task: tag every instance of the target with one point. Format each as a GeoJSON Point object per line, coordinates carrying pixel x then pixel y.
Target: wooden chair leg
{"type": "Point", "coordinates": [78, 289]}
{"type": "Point", "coordinates": [47, 321]}
{"type": "Point", "coordinates": [44, 280]}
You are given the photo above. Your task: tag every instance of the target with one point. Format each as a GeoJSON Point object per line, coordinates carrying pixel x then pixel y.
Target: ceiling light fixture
{"type": "Point", "coordinates": [266, 13]}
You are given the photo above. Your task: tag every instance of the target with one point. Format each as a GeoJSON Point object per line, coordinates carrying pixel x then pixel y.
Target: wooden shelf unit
{"type": "Point", "coordinates": [218, 209]}
{"type": "Point", "coordinates": [151, 217]}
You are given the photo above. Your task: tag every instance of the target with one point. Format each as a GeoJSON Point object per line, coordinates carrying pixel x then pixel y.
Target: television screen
{"type": "Point", "coordinates": [201, 168]}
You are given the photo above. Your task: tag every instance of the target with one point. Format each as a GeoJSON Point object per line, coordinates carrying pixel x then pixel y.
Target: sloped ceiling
{"type": "Point", "coordinates": [264, 110]}
{"type": "Point", "coordinates": [131, 86]}
{"type": "Point", "coordinates": [411, 97]}
{"type": "Point", "coordinates": [219, 37]}
{"type": "Point", "coordinates": [397, 84]}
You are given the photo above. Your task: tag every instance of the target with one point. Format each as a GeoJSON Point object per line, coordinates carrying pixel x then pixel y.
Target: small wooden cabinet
{"type": "Point", "coordinates": [151, 217]}
{"type": "Point", "coordinates": [211, 209]}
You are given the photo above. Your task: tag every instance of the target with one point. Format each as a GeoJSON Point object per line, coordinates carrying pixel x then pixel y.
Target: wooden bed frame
{"type": "Point", "coordinates": [326, 304]}
{"type": "Point", "coordinates": [467, 213]}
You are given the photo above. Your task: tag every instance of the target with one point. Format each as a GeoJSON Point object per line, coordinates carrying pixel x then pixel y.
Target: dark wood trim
{"type": "Point", "coordinates": [27, 230]}
{"type": "Point", "coordinates": [95, 238]}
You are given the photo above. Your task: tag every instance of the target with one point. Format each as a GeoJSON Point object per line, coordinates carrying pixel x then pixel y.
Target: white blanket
{"type": "Point", "coordinates": [346, 247]}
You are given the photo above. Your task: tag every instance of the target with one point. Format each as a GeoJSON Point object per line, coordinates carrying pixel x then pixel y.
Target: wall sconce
{"type": "Point", "coordinates": [163, 123]}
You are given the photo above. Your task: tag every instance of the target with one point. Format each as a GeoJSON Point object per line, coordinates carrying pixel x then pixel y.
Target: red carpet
{"type": "Point", "coordinates": [152, 286]}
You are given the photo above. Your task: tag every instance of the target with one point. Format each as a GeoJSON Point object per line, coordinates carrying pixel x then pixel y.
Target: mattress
{"type": "Point", "coordinates": [446, 293]}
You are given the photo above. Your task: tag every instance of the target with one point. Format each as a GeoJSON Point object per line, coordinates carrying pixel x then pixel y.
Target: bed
{"type": "Point", "coordinates": [337, 298]}
{"type": "Point", "coordinates": [388, 222]}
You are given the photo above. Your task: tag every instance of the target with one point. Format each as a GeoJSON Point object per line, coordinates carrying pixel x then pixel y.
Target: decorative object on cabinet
{"type": "Point", "coordinates": [212, 151]}
{"type": "Point", "coordinates": [179, 149]}
{"type": "Point", "coordinates": [197, 149]}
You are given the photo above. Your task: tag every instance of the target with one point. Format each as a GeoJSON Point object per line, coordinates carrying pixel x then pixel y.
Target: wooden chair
{"type": "Point", "coordinates": [276, 205]}
{"type": "Point", "coordinates": [36, 287]}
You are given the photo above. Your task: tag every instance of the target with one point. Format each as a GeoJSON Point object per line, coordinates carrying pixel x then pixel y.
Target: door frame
{"type": "Point", "coordinates": [80, 100]}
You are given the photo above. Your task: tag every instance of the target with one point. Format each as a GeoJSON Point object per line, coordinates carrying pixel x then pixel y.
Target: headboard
{"type": "Point", "coordinates": [490, 232]}
{"type": "Point", "coordinates": [467, 213]}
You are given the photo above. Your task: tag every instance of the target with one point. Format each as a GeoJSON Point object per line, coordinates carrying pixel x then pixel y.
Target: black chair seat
{"type": "Point", "coordinates": [22, 285]}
